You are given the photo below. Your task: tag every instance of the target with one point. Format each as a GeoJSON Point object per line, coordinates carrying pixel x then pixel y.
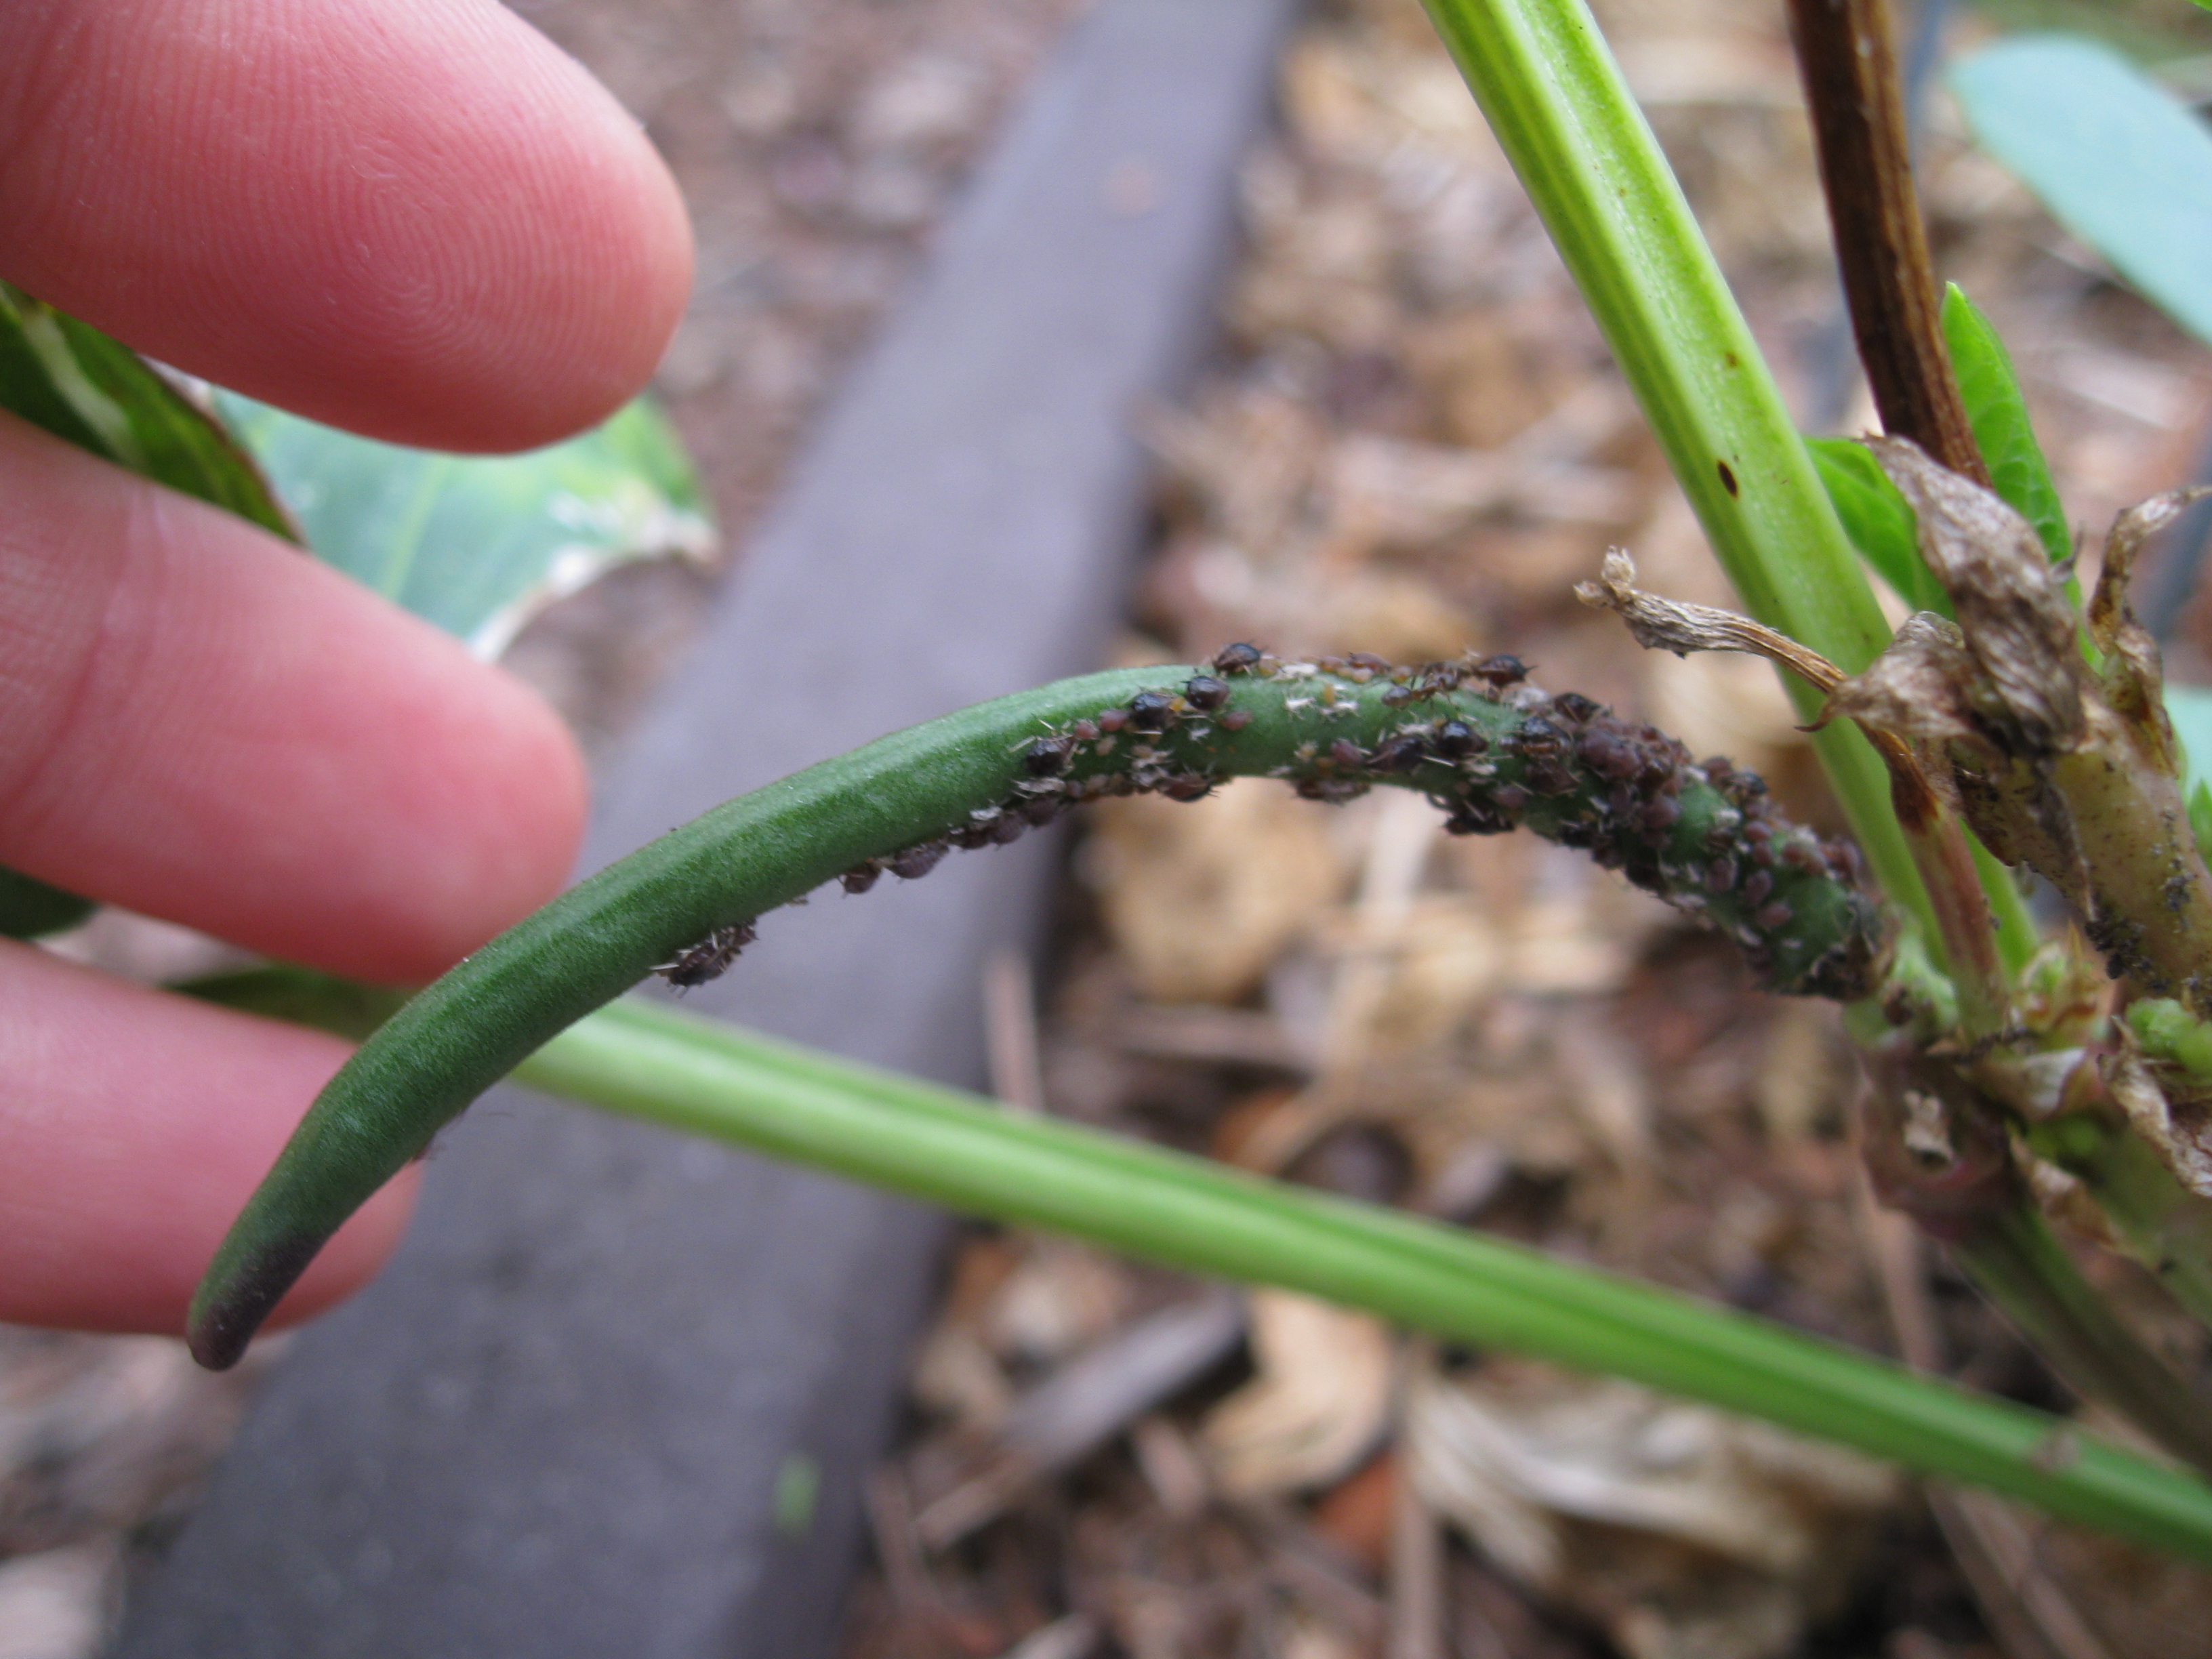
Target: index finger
{"type": "Point", "coordinates": [417, 219]}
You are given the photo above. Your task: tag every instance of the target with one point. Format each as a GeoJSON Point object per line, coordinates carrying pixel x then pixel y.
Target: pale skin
{"type": "Point", "coordinates": [413, 218]}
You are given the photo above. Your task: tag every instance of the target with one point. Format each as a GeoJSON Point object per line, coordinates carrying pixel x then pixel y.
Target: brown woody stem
{"type": "Point", "coordinates": [1847, 59]}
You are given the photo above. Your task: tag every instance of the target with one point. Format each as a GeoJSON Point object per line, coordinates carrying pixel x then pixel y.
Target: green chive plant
{"type": "Point", "coordinates": [2006, 725]}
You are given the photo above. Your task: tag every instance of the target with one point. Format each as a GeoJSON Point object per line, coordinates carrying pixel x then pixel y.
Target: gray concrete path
{"type": "Point", "coordinates": [558, 1425]}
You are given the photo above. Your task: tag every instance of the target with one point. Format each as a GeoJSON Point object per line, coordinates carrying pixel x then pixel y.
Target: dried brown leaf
{"type": "Point", "coordinates": [1669, 625]}
{"type": "Point", "coordinates": [2133, 677]}
{"type": "Point", "coordinates": [1683, 1530]}
{"type": "Point", "coordinates": [2185, 1144]}
{"type": "Point", "coordinates": [2011, 602]}
{"type": "Point", "coordinates": [1318, 1405]}
{"type": "Point", "coordinates": [1920, 686]}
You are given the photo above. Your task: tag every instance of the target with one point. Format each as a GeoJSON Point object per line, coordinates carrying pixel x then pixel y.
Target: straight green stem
{"type": "Point", "coordinates": [2019, 1265]}
{"type": "Point", "coordinates": [962, 1152]}
{"type": "Point", "coordinates": [2164, 1226]}
{"type": "Point", "coordinates": [1557, 102]}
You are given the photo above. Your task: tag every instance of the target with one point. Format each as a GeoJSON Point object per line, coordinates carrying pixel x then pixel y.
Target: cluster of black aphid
{"type": "Point", "coordinates": [988, 826]}
{"type": "Point", "coordinates": [1501, 754]}
{"type": "Point", "coordinates": [710, 958]}
{"type": "Point", "coordinates": [1616, 790]}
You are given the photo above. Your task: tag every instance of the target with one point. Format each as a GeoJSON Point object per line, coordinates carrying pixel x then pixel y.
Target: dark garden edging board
{"type": "Point", "coordinates": [580, 1412]}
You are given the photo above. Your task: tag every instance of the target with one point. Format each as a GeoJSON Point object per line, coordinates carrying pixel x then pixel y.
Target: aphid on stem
{"type": "Point", "coordinates": [709, 959]}
{"type": "Point", "coordinates": [916, 861]}
{"type": "Point", "coordinates": [1205, 693]}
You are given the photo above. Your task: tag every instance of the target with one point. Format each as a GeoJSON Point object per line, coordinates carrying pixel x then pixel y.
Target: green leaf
{"type": "Point", "coordinates": [1877, 519]}
{"type": "Point", "coordinates": [2118, 160]}
{"type": "Point", "coordinates": [70, 380]}
{"type": "Point", "coordinates": [304, 996]}
{"type": "Point", "coordinates": [478, 544]}
{"type": "Point", "coordinates": [30, 909]}
{"type": "Point", "coordinates": [1998, 415]}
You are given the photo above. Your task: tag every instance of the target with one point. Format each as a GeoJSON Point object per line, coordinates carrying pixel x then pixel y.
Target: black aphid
{"type": "Point", "coordinates": [1401, 753]}
{"type": "Point", "coordinates": [1501, 670]}
{"type": "Point", "coordinates": [860, 876]}
{"type": "Point", "coordinates": [1333, 791]}
{"type": "Point", "coordinates": [1580, 834]}
{"type": "Point", "coordinates": [1238, 658]}
{"type": "Point", "coordinates": [917, 861]}
{"type": "Point", "coordinates": [1608, 753]}
{"type": "Point", "coordinates": [1476, 817]}
{"type": "Point", "coordinates": [1047, 757]}
{"type": "Point", "coordinates": [1456, 740]}
{"type": "Point", "coordinates": [1537, 737]}
{"type": "Point", "coordinates": [710, 958]}
{"type": "Point", "coordinates": [1151, 711]}
{"type": "Point", "coordinates": [1205, 693]}
{"type": "Point", "coordinates": [1547, 777]}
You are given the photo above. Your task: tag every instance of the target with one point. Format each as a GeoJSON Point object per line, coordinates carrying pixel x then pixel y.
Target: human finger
{"type": "Point", "coordinates": [198, 722]}
{"type": "Point", "coordinates": [132, 1125]}
{"type": "Point", "coordinates": [417, 219]}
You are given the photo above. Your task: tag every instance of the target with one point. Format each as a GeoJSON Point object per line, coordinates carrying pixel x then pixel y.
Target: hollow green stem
{"type": "Point", "coordinates": [1557, 102]}
{"type": "Point", "coordinates": [2016, 1262]}
{"type": "Point", "coordinates": [955, 1149]}
{"type": "Point", "coordinates": [2164, 1226]}
{"type": "Point", "coordinates": [2017, 936]}
{"type": "Point", "coordinates": [1940, 1147]}
{"type": "Point", "coordinates": [1495, 753]}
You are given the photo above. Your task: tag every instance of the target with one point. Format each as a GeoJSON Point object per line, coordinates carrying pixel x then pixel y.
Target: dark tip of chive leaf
{"type": "Point", "coordinates": [220, 1327]}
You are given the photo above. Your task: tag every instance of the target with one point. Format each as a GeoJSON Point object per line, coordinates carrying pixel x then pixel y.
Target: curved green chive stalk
{"type": "Point", "coordinates": [954, 1149]}
{"type": "Point", "coordinates": [1495, 753]}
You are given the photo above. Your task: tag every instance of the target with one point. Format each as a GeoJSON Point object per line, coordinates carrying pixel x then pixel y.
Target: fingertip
{"type": "Point", "coordinates": [133, 1126]}
{"type": "Point", "coordinates": [204, 726]}
{"type": "Point", "coordinates": [417, 219]}
{"type": "Point", "coordinates": [498, 815]}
